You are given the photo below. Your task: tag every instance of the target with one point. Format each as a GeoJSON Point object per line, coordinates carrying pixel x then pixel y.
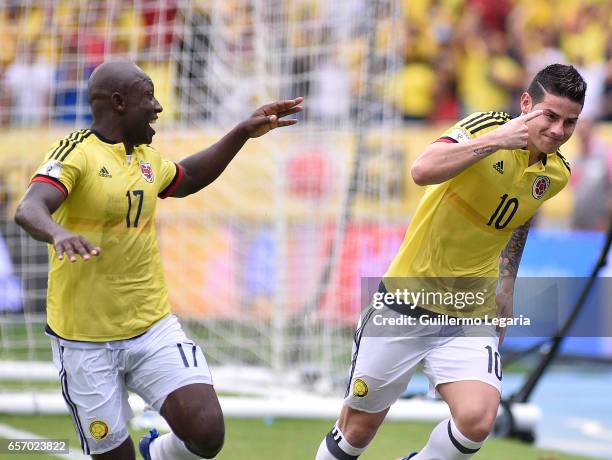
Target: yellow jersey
{"type": "Point", "coordinates": [461, 226]}
{"type": "Point", "coordinates": [110, 200]}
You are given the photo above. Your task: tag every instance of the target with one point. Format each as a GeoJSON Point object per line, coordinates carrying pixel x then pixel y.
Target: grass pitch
{"type": "Point", "coordinates": [257, 439]}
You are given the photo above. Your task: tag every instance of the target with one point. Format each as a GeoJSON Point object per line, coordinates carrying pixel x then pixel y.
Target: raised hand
{"type": "Point", "coordinates": [514, 134]}
{"type": "Point", "coordinates": [72, 245]}
{"type": "Point", "coordinates": [269, 117]}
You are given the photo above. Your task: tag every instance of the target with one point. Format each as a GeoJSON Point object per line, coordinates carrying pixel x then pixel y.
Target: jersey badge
{"type": "Point", "coordinates": [52, 168]}
{"type": "Point", "coordinates": [360, 388]}
{"type": "Point", "coordinates": [98, 429]}
{"type": "Point", "coordinates": [460, 135]}
{"type": "Point", "coordinates": [540, 185]}
{"type": "Point", "coordinates": [147, 171]}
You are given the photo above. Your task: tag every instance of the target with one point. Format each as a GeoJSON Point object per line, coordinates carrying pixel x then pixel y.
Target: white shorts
{"type": "Point", "coordinates": [382, 366]}
{"type": "Point", "coordinates": [96, 377]}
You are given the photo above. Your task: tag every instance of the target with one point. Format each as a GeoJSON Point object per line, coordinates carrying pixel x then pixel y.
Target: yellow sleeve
{"type": "Point", "coordinates": [171, 175]}
{"type": "Point", "coordinates": [64, 164]}
{"type": "Point", "coordinates": [474, 125]}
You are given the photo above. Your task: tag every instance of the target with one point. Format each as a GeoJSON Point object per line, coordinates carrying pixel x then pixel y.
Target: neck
{"type": "Point", "coordinates": [534, 157]}
{"type": "Point", "coordinates": [534, 154]}
{"type": "Point", "coordinates": [112, 134]}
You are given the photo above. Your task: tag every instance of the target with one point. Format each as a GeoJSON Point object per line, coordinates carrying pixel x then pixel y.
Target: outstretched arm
{"type": "Point", "coordinates": [509, 261]}
{"type": "Point", "coordinates": [204, 167]}
{"type": "Point", "coordinates": [34, 216]}
{"type": "Point", "coordinates": [442, 161]}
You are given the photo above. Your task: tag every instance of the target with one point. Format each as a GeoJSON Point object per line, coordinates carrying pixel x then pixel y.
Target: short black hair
{"type": "Point", "coordinates": [560, 80]}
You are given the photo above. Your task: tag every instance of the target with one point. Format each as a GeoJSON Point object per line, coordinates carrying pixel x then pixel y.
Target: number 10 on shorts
{"type": "Point", "coordinates": [494, 363]}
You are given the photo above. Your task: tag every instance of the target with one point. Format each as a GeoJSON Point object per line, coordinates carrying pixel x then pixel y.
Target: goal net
{"type": "Point", "coordinates": [264, 267]}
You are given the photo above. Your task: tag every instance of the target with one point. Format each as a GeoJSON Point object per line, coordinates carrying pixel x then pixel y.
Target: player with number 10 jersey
{"type": "Point", "coordinates": [462, 225]}
{"type": "Point", "coordinates": [486, 176]}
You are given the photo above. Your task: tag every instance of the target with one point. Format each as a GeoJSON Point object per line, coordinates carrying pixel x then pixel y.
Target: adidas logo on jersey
{"type": "Point", "coordinates": [104, 172]}
{"type": "Point", "coordinates": [499, 167]}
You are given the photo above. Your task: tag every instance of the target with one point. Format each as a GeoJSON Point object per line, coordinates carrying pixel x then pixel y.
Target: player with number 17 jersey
{"type": "Point", "coordinates": [110, 200]}
{"type": "Point", "coordinates": [93, 201]}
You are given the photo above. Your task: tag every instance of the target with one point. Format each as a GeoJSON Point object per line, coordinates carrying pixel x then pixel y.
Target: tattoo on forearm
{"type": "Point", "coordinates": [483, 151]}
{"type": "Point", "coordinates": [510, 257]}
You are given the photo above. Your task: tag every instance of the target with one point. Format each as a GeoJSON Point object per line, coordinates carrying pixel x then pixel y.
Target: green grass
{"type": "Point", "coordinates": [255, 439]}
{"type": "Point", "coordinates": [30, 385]}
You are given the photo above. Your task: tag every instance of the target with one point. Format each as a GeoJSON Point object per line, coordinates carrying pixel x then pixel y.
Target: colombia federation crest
{"type": "Point", "coordinates": [147, 171]}
{"type": "Point", "coordinates": [540, 185]}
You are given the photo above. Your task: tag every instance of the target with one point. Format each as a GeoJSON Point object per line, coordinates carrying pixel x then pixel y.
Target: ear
{"type": "Point", "coordinates": [526, 103]}
{"type": "Point", "coordinates": [118, 102]}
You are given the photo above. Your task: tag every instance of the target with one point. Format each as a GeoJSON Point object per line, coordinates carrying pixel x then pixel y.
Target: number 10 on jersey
{"type": "Point", "coordinates": [504, 213]}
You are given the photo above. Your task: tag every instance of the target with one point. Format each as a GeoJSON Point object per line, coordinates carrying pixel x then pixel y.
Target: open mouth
{"type": "Point", "coordinates": [152, 122]}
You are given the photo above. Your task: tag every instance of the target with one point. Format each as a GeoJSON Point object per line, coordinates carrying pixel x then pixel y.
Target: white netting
{"type": "Point", "coordinates": [265, 265]}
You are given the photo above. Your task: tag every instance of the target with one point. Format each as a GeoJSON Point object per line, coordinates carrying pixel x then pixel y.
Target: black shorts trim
{"type": "Point", "coordinates": [357, 339]}
{"type": "Point", "coordinates": [71, 405]}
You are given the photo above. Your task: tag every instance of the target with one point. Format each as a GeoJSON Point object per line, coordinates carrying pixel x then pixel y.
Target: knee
{"type": "Point", "coordinates": [358, 436]}
{"type": "Point", "coordinates": [205, 435]}
{"type": "Point", "coordinates": [359, 431]}
{"type": "Point", "coordinates": [475, 423]}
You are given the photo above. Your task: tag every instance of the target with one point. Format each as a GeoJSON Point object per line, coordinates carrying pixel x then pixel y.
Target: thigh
{"type": "Point", "coordinates": [382, 367]}
{"type": "Point", "coordinates": [164, 360]}
{"type": "Point", "coordinates": [457, 359]}
{"type": "Point", "coordinates": [93, 389]}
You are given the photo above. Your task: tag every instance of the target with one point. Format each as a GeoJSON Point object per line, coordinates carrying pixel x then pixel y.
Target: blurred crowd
{"type": "Point", "coordinates": [457, 57]}
{"type": "Point", "coordinates": [50, 47]}
{"type": "Point", "coordinates": [464, 55]}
